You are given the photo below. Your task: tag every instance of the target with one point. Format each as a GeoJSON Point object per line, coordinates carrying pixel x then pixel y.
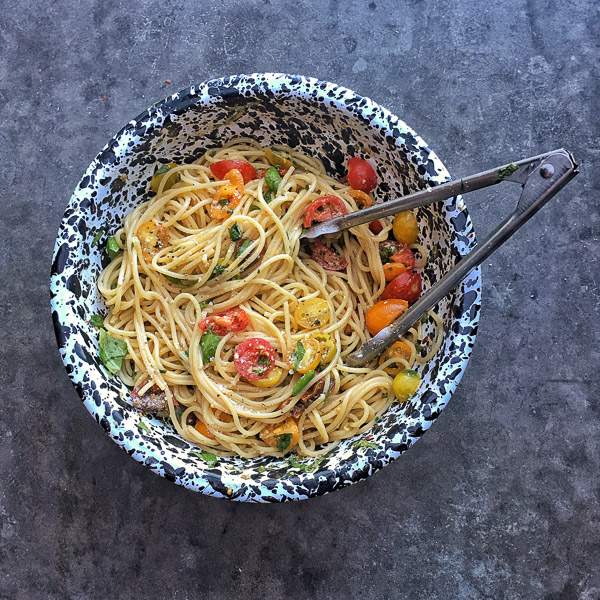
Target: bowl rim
{"type": "Point", "coordinates": [342, 476]}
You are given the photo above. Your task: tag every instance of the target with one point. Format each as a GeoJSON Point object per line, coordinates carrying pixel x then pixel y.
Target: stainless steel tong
{"type": "Point", "coordinates": [541, 177]}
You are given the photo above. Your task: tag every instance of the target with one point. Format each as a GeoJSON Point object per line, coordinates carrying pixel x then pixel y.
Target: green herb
{"type": "Point", "coordinates": [162, 370]}
{"type": "Point", "coordinates": [365, 444]}
{"type": "Point", "coordinates": [112, 248]}
{"type": "Point", "coordinates": [418, 347]}
{"type": "Point", "coordinates": [267, 196]}
{"type": "Point", "coordinates": [425, 318]}
{"type": "Point", "coordinates": [272, 179]}
{"type": "Point", "coordinates": [97, 237]}
{"type": "Point", "coordinates": [262, 469]}
{"type": "Point", "coordinates": [179, 410]}
{"type": "Point", "coordinates": [298, 355]}
{"type": "Point", "coordinates": [235, 232]}
{"type": "Point", "coordinates": [208, 344]}
{"type": "Point", "coordinates": [306, 467]}
{"type": "Point", "coordinates": [283, 441]}
{"type": "Point", "coordinates": [508, 170]}
{"type": "Point", "coordinates": [384, 395]}
{"type": "Point", "coordinates": [217, 271]}
{"type": "Point", "coordinates": [204, 303]}
{"type": "Point", "coordinates": [113, 286]}
{"type": "Point", "coordinates": [245, 245]}
{"type": "Point", "coordinates": [410, 372]}
{"type": "Point", "coordinates": [303, 382]}
{"type": "Point", "coordinates": [236, 277]}
{"type": "Point", "coordinates": [112, 351]}
{"type": "Point", "coordinates": [263, 361]}
{"type": "Point", "coordinates": [97, 321]}
{"type": "Point", "coordinates": [141, 425]}
{"type": "Point", "coordinates": [307, 187]}
{"type": "Point", "coordinates": [224, 202]}
{"type": "Point", "coordinates": [163, 169]}
{"type": "Point", "coordinates": [178, 282]}
{"type": "Point", "coordinates": [255, 207]}
{"type": "Point", "coordinates": [208, 457]}
{"type": "Point", "coordinates": [186, 352]}
{"type": "Point", "coordinates": [386, 252]}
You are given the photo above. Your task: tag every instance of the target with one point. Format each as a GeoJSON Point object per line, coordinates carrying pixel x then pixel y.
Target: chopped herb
{"type": "Point", "coordinates": [508, 170]}
{"type": "Point", "coordinates": [179, 410]}
{"type": "Point", "coordinates": [267, 196]}
{"type": "Point", "coordinates": [224, 201]}
{"type": "Point", "coordinates": [141, 425]}
{"type": "Point", "coordinates": [410, 372]}
{"type": "Point", "coordinates": [283, 441]}
{"type": "Point", "coordinates": [316, 322]}
{"type": "Point", "coordinates": [238, 276]}
{"type": "Point", "coordinates": [303, 382]}
{"type": "Point", "coordinates": [307, 187]}
{"type": "Point", "coordinates": [425, 318]}
{"type": "Point", "coordinates": [208, 344]}
{"type": "Point", "coordinates": [306, 467]}
{"type": "Point", "coordinates": [186, 352]}
{"type": "Point", "coordinates": [384, 395]}
{"type": "Point", "coordinates": [178, 282]}
{"type": "Point", "coordinates": [217, 271]}
{"type": "Point", "coordinates": [205, 303]}
{"type": "Point", "coordinates": [272, 179]}
{"type": "Point", "coordinates": [235, 232]}
{"type": "Point", "coordinates": [418, 347]}
{"type": "Point", "coordinates": [365, 444]}
{"type": "Point", "coordinates": [208, 457]}
{"type": "Point", "coordinates": [245, 245]}
{"type": "Point", "coordinates": [262, 469]}
{"type": "Point", "coordinates": [162, 371]}
{"type": "Point", "coordinates": [387, 252]}
{"type": "Point", "coordinates": [97, 237]}
{"type": "Point", "coordinates": [113, 286]}
{"type": "Point", "coordinates": [112, 248]}
{"type": "Point", "coordinates": [263, 360]}
{"type": "Point", "coordinates": [163, 169]}
{"type": "Point", "coordinates": [298, 355]}
{"type": "Point", "coordinates": [97, 321]}
{"type": "Point", "coordinates": [255, 207]}
{"type": "Point", "coordinates": [112, 351]}
{"type": "Point", "coordinates": [304, 230]}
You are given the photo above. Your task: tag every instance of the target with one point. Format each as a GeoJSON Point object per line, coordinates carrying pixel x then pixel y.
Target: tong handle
{"type": "Point", "coordinates": [543, 181]}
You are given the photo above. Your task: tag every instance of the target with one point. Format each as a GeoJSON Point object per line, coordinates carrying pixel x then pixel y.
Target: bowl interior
{"type": "Point", "coordinates": [322, 120]}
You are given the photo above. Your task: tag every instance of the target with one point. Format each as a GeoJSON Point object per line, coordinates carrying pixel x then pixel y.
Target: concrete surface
{"type": "Point", "coordinates": [501, 499]}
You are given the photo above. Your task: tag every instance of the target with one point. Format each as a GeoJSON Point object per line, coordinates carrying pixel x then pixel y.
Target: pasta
{"type": "Point", "coordinates": [211, 263]}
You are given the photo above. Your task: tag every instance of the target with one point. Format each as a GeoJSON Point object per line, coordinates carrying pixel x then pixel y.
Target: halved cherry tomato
{"type": "Point", "coordinates": [404, 256]}
{"type": "Point", "coordinates": [312, 313]}
{"type": "Point", "coordinates": [312, 356]}
{"type": "Point", "coordinates": [282, 436]}
{"type": "Point", "coordinates": [383, 313]}
{"type": "Point", "coordinates": [362, 198]}
{"type": "Point", "coordinates": [327, 257]}
{"type": "Point", "coordinates": [376, 227]}
{"type": "Point", "coordinates": [269, 380]}
{"type": "Point", "coordinates": [328, 347]}
{"type": "Point", "coordinates": [254, 358]}
{"type": "Point", "coordinates": [279, 157]}
{"type": "Point", "coordinates": [153, 238]}
{"type": "Point", "coordinates": [407, 286]}
{"type": "Point", "coordinates": [399, 350]}
{"type": "Point", "coordinates": [228, 196]}
{"type": "Point", "coordinates": [234, 319]}
{"type": "Point", "coordinates": [406, 227]}
{"type": "Point", "coordinates": [392, 270]}
{"type": "Point", "coordinates": [323, 208]}
{"type": "Point", "coordinates": [281, 172]}
{"type": "Point", "coordinates": [221, 168]}
{"type": "Point", "coordinates": [361, 175]}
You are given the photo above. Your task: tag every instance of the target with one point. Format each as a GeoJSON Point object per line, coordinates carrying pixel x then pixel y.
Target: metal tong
{"type": "Point", "coordinates": [541, 177]}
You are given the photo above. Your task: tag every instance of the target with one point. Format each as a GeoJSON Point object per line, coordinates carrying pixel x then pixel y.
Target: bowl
{"type": "Point", "coordinates": [322, 119]}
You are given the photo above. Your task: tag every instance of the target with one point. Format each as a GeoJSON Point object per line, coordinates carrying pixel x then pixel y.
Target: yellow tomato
{"type": "Point", "coordinates": [328, 347]}
{"type": "Point", "coordinates": [278, 157]}
{"type": "Point", "coordinates": [311, 357]}
{"type": "Point", "coordinates": [282, 436]}
{"type": "Point", "coordinates": [362, 198]}
{"type": "Point", "coordinates": [271, 380]}
{"type": "Point", "coordinates": [406, 228]}
{"type": "Point", "coordinates": [162, 173]}
{"type": "Point", "coordinates": [312, 313]}
{"type": "Point", "coordinates": [153, 238]}
{"type": "Point", "coordinates": [406, 384]}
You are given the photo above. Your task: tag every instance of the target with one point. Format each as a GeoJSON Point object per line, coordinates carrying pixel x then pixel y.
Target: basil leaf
{"type": "Point", "coordinates": [303, 382]}
{"type": "Point", "coordinates": [235, 232]}
{"type": "Point", "coordinates": [163, 169]}
{"type": "Point", "coordinates": [267, 196]}
{"type": "Point", "coordinates": [112, 248]}
{"type": "Point", "coordinates": [97, 237]}
{"type": "Point", "coordinates": [141, 425]}
{"type": "Point", "coordinates": [298, 353]}
{"type": "Point", "coordinates": [97, 321]}
{"type": "Point", "coordinates": [112, 351]}
{"type": "Point", "coordinates": [283, 441]}
{"type": "Point", "coordinates": [365, 444]}
{"type": "Point", "coordinates": [272, 179]}
{"type": "Point", "coordinates": [508, 170]}
{"type": "Point", "coordinates": [255, 207]}
{"type": "Point", "coordinates": [245, 245]}
{"type": "Point", "coordinates": [178, 282]}
{"type": "Point", "coordinates": [208, 457]}
{"type": "Point", "coordinates": [208, 344]}
{"type": "Point", "coordinates": [217, 271]}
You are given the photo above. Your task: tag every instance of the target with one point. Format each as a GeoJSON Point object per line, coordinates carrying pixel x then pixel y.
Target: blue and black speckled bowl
{"type": "Point", "coordinates": [324, 120]}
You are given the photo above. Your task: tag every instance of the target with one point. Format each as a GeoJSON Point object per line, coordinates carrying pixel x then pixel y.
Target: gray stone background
{"type": "Point", "coordinates": [501, 499]}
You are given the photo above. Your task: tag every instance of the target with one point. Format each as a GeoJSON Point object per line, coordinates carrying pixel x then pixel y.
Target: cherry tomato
{"type": "Point", "coordinates": [327, 257]}
{"type": "Point", "coordinates": [311, 358]}
{"type": "Point", "coordinates": [282, 436]}
{"type": "Point", "coordinates": [323, 208]}
{"type": "Point", "coordinates": [407, 286]}
{"type": "Point", "coordinates": [399, 350]}
{"type": "Point", "coordinates": [278, 157]}
{"type": "Point", "coordinates": [376, 227]}
{"type": "Point", "coordinates": [200, 427]}
{"type": "Point", "coordinates": [234, 319]}
{"type": "Point", "coordinates": [405, 384]}
{"type": "Point", "coordinates": [362, 199]}
{"type": "Point", "coordinates": [228, 196]}
{"type": "Point", "coordinates": [361, 175]}
{"type": "Point", "coordinates": [328, 347]}
{"type": "Point", "coordinates": [153, 238]}
{"type": "Point", "coordinates": [404, 256]}
{"type": "Point", "coordinates": [383, 313]}
{"type": "Point", "coordinates": [406, 227]}
{"type": "Point", "coordinates": [312, 313]}
{"type": "Point", "coordinates": [221, 168]}
{"type": "Point", "coordinates": [269, 380]}
{"type": "Point", "coordinates": [254, 359]}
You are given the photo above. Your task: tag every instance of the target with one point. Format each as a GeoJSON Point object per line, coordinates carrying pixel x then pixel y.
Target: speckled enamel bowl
{"type": "Point", "coordinates": [324, 120]}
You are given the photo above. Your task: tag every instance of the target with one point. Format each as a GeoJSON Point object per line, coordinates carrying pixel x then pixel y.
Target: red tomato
{"type": "Point", "coordinates": [407, 286]}
{"type": "Point", "coordinates": [281, 172]}
{"type": "Point", "coordinates": [234, 319]}
{"type": "Point", "coordinates": [361, 175]}
{"type": "Point", "coordinates": [329, 259]}
{"type": "Point", "coordinates": [323, 208]}
{"type": "Point", "coordinates": [221, 168]}
{"type": "Point", "coordinates": [376, 227]}
{"type": "Point", "coordinates": [254, 358]}
{"type": "Point", "coordinates": [404, 256]}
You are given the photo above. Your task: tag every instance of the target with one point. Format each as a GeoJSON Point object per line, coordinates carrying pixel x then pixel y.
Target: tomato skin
{"type": "Point", "coordinates": [324, 208]}
{"type": "Point", "coordinates": [397, 350]}
{"type": "Point", "coordinates": [362, 198]}
{"type": "Point", "coordinates": [254, 358]}
{"type": "Point", "coordinates": [312, 313]}
{"type": "Point", "coordinates": [376, 227]}
{"type": "Point", "coordinates": [405, 257]}
{"type": "Point", "coordinates": [383, 313]}
{"type": "Point", "coordinates": [230, 194]}
{"type": "Point", "coordinates": [406, 384]}
{"type": "Point", "coordinates": [328, 258]}
{"type": "Point", "coordinates": [234, 319]}
{"type": "Point", "coordinates": [406, 227]}
{"type": "Point", "coordinates": [392, 270]}
{"type": "Point", "coordinates": [221, 168]}
{"type": "Point", "coordinates": [407, 286]}
{"type": "Point", "coordinates": [361, 175]}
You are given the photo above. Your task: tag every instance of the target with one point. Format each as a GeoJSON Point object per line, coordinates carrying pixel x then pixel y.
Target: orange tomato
{"type": "Point", "coordinates": [201, 427]}
{"type": "Point", "coordinates": [362, 198]}
{"type": "Point", "coordinates": [383, 313]}
{"type": "Point", "coordinates": [281, 436]}
{"type": "Point", "coordinates": [228, 196]}
{"type": "Point", "coordinates": [392, 270]}
{"type": "Point", "coordinates": [153, 238]}
{"type": "Point", "coordinates": [396, 350]}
